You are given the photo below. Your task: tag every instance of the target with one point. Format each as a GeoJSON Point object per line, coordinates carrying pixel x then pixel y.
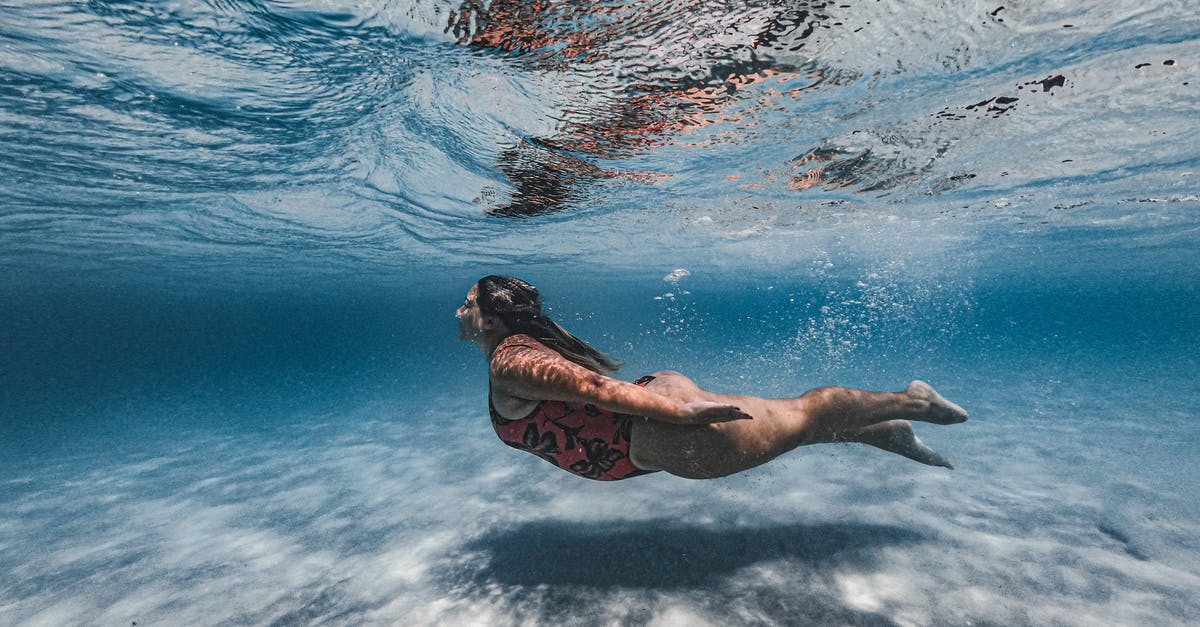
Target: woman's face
{"type": "Point", "coordinates": [470, 319]}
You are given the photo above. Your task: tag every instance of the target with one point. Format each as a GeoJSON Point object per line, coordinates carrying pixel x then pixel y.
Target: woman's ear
{"type": "Point", "coordinates": [494, 324]}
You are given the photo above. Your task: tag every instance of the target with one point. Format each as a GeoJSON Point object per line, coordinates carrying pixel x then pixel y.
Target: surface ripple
{"type": "Point", "coordinates": [367, 136]}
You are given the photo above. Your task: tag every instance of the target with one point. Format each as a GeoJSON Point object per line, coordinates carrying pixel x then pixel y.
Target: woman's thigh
{"type": "Point", "coordinates": [679, 448]}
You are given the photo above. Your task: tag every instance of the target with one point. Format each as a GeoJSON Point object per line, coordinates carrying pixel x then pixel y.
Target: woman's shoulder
{"type": "Point", "coordinates": [519, 339]}
{"type": "Point", "coordinates": [517, 358]}
{"type": "Point", "coordinates": [513, 345]}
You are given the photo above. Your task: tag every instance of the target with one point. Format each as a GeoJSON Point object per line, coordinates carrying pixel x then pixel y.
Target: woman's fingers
{"type": "Point", "coordinates": [735, 413]}
{"type": "Point", "coordinates": [708, 413]}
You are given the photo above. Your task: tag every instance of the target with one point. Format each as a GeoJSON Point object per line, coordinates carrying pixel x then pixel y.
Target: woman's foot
{"type": "Point", "coordinates": [941, 411]}
{"type": "Point", "coordinates": [897, 436]}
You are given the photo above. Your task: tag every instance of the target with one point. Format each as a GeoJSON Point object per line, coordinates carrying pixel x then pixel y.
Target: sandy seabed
{"type": "Point", "coordinates": [352, 518]}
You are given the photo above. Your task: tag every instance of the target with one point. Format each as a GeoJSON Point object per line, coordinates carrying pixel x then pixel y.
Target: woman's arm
{"type": "Point", "coordinates": [541, 374]}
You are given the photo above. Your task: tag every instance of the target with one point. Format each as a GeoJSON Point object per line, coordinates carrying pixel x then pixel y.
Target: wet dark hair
{"type": "Point", "coordinates": [519, 306]}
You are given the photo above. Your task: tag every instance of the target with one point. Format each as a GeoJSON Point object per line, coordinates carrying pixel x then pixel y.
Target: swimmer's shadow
{"type": "Point", "coordinates": [666, 554]}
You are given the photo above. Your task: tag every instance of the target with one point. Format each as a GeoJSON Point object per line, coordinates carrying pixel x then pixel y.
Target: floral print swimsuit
{"type": "Point", "coordinates": [579, 438]}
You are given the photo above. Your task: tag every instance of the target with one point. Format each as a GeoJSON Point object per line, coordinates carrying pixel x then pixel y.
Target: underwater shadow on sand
{"type": "Point", "coordinates": [612, 572]}
{"type": "Point", "coordinates": [665, 554]}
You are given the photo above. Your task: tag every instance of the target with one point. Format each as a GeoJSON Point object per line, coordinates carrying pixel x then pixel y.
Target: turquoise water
{"type": "Point", "coordinates": [233, 235]}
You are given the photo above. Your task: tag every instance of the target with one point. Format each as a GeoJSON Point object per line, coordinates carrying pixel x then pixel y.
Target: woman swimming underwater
{"type": "Point", "coordinates": [549, 395]}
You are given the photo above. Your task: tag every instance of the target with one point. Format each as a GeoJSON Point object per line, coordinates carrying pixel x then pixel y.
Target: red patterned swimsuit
{"type": "Point", "coordinates": [579, 438]}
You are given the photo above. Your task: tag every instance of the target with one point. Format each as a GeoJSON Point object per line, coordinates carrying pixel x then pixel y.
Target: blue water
{"type": "Point", "coordinates": [233, 234]}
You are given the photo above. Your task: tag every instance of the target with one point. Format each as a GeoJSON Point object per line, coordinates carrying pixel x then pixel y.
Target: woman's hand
{"type": "Point", "coordinates": [707, 412]}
